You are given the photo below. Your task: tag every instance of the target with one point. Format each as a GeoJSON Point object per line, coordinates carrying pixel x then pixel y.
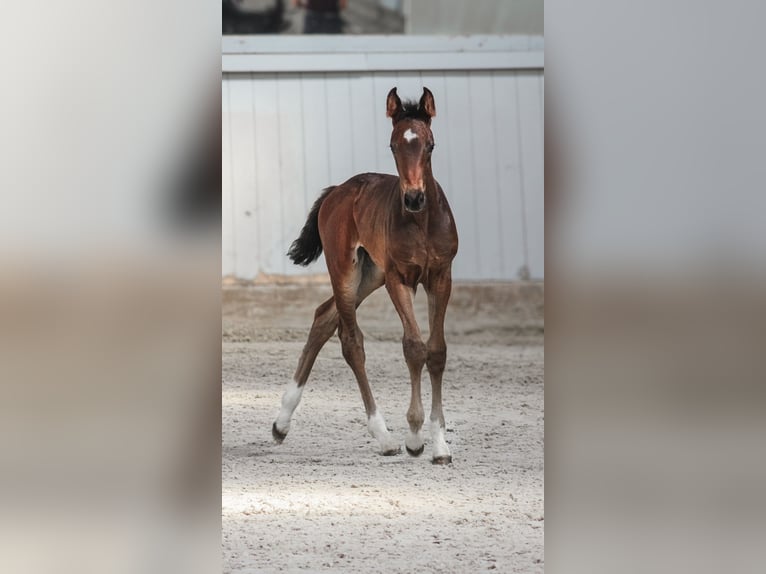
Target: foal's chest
{"type": "Point", "coordinates": [420, 252]}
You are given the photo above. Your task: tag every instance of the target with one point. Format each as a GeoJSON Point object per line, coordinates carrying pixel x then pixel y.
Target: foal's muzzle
{"type": "Point", "coordinates": [414, 201]}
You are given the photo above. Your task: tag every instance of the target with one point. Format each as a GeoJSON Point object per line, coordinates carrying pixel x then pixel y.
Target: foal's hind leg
{"type": "Point", "coordinates": [439, 290]}
{"type": "Point", "coordinates": [325, 323]}
{"type": "Point", "coordinates": [360, 278]}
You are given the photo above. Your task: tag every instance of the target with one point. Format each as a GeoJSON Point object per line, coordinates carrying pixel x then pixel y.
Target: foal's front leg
{"type": "Point", "coordinates": [415, 355]}
{"type": "Point", "coordinates": [438, 296]}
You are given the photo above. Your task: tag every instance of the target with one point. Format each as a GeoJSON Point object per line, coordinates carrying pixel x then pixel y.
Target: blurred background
{"type": "Point", "coordinates": [110, 287]}
{"type": "Point", "coordinates": [656, 272]}
{"type": "Point", "coordinates": [384, 17]}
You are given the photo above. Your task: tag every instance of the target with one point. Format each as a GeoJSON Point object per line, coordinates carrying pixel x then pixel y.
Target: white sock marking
{"type": "Point", "coordinates": [376, 424]}
{"type": "Point", "coordinates": [440, 447]}
{"type": "Point", "coordinates": [290, 401]}
{"type": "Point", "coordinates": [414, 441]}
{"type": "Point", "coordinates": [409, 135]}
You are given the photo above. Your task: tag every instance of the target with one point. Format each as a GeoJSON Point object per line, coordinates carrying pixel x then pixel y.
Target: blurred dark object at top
{"type": "Point", "coordinates": [194, 201]}
{"type": "Point", "coordinates": [259, 17]}
{"type": "Point", "coordinates": [322, 16]}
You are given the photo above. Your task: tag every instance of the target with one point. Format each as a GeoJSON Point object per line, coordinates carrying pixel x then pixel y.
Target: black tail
{"type": "Point", "coordinates": [308, 247]}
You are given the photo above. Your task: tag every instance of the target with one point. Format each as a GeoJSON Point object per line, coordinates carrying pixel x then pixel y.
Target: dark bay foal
{"type": "Point", "coordinates": [396, 231]}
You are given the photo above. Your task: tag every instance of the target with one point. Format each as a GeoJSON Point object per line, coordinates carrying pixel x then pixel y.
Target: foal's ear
{"type": "Point", "coordinates": [427, 103]}
{"type": "Point", "coordinates": [393, 105]}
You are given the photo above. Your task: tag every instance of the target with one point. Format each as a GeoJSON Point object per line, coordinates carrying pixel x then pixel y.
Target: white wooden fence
{"type": "Point", "coordinates": [302, 113]}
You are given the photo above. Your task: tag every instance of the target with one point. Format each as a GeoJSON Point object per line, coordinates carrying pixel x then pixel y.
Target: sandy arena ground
{"type": "Point", "coordinates": [324, 500]}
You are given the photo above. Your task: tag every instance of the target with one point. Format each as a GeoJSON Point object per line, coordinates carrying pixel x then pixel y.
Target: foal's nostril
{"type": "Point", "coordinates": [414, 201]}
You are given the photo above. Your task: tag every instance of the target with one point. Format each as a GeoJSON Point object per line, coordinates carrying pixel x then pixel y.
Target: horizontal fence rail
{"type": "Point", "coordinates": [382, 53]}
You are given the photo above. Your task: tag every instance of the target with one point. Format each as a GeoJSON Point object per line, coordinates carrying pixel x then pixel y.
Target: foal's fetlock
{"type": "Point", "coordinates": [414, 450]}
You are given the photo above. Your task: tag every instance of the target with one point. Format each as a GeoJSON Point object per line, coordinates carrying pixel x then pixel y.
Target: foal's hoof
{"type": "Point", "coordinates": [416, 452]}
{"type": "Point", "coordinates": [278, 436]}
{"type": "Point", "coordinates": [391, 451]}
{"type": "Point", "coordinates": [442, 459]}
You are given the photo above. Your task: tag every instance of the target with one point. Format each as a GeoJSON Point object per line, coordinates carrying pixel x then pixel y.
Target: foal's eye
{"type": "Point", "coordinates": [431, 147]}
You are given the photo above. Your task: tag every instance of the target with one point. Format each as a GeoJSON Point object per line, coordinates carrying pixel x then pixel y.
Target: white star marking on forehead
{"type": "Point", "coordinates": [409, 135]}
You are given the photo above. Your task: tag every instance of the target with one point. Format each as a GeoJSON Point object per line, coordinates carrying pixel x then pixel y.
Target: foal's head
{"type": "Point", "coordinates": [412, 143]}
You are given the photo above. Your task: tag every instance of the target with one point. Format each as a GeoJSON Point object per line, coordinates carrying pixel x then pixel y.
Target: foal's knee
{"type": "Point", "coordinates": [415, 351]}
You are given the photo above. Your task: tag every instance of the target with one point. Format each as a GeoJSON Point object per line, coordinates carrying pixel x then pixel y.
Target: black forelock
{"type": "Point", "coordinates": [411, 110]}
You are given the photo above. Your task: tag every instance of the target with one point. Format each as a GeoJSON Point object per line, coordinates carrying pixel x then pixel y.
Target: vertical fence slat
{"type": "Point", "coordinates": [508, 174]}
{"type": "Point", "coordinates": [268, 176]}
{"type": "Point", "coordinates": [483, 161]}
{"type": "Point", "coordinates": [243, 175]}
{"type": "Point", "coordinates": [340, 137]}
{"type": "Point", "coordinates": [531, 130]}
{"type": "Point", "coordinates": [292, 191]}
{"type": "Point", "coordinates": [456, 119]}
{"type": "Point", "coordinates": [362, 109]}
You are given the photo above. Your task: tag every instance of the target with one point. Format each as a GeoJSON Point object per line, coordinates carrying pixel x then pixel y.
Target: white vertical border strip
{"type": "Point", "coordinates": [228, 208]}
